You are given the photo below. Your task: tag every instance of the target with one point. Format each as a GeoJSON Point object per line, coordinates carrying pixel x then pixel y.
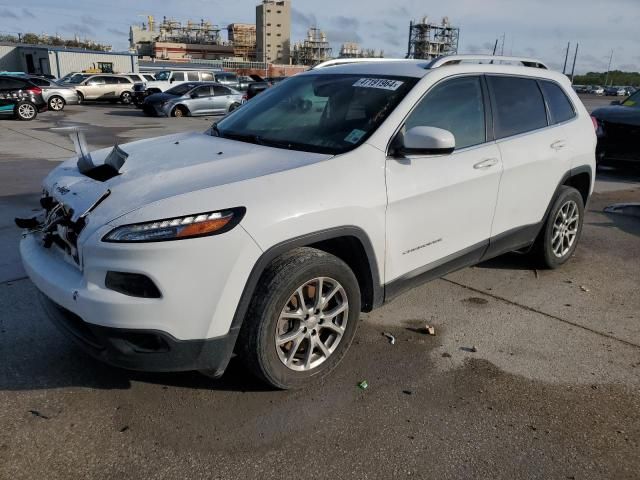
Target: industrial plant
{"type": "Point", "coordinates": [428, 40]}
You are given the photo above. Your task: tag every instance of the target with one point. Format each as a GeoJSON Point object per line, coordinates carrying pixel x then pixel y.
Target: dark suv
{"type": "Point", "coordinates": [20, 98]}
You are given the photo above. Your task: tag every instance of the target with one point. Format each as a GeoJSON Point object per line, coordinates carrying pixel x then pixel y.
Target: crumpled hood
{"type": "Point", "coordinates": [159, 98]}
{"type": "Point", "coordinates": [164, 167]}
{"type": "Point", "coordinates": [618, 114]}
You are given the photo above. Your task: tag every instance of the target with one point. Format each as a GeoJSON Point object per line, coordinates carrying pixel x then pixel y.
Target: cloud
{"type": "Point", "coordinates": [6, 13]}
{"type": "Point", "coordinates": [91, 21]}
{"type": "Point", "coordinates": [76, 28]}
{"type": "Point", "coordinates": [115, 31]}
{"type": "Point", "coordinates": [27, 13]}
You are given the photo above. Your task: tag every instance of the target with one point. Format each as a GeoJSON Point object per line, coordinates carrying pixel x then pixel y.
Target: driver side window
{"type": "Point", "coordinates": [455, 105]}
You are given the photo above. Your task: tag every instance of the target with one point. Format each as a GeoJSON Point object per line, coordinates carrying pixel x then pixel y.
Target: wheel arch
{"type": "Point", "coordinates": [349, 243]}
{"type": "Point", "coordinates": [181, 106]}
{"type": "Point", "coordinates": [581, 179]}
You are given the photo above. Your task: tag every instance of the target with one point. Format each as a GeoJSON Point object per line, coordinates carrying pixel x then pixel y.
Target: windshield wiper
{"type": "Point", "coordinates": [216, 130]}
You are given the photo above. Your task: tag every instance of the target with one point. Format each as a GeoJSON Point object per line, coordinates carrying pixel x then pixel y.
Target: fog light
{"type": "Point", "coordinates": [132, 284]}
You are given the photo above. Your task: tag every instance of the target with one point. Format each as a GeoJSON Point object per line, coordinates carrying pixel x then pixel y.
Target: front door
{"type": "Point", "coordinates": [201, 102]}
{"type": "Point", "coordinates": [221, 99]}
{"type": "Point", "coordinates": [440, 207]}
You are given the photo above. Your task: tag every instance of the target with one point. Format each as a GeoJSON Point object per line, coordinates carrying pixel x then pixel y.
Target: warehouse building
{"type": "Point", "coordinates": [58, 61]}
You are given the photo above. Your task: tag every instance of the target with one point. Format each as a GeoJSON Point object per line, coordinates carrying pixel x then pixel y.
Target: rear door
{"type": "Point", "coordinates": [93, 88]}
{"type": "Point", "coordinates": [222, 99]}
{"type": "Point", "coordinates": [532, 155]}
{"type": "Point", "coordinates": [440, 207]}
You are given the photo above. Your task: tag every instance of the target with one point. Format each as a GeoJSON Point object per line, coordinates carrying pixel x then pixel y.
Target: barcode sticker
{"type": "Point", "coordinates": [384, 83]}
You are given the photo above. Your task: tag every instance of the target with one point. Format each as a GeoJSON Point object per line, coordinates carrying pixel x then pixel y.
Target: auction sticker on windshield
{"type": "Point", "coordinates": [383, 83]}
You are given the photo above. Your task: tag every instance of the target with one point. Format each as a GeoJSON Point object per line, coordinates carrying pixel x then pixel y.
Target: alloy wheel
{"type": "Point", "coordinates": [565, 228]}
{"type": "Point", "coordinates": [26, 110]}
{"type": "Point", "coordinates": [312, 324]}
{"type": "Point", "coordinates": [56, 104]}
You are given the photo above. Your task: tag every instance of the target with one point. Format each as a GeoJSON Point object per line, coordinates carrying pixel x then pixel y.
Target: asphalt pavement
{"type": "Point", "coordinates": [531, 373]}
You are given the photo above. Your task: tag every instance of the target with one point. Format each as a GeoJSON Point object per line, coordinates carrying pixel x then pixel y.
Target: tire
{"type": "Point", "coordinates": [25, 111]}
{"type": "Point", "coordinates": [563, 224]}
{"type": "Point", "coordinates": [80, 98]}
{"type": "Point", "coordinates": [179, 112]}
{"type": "Point", "coordinates": [232, 107]}
{"type": "Point", "coordinates": [125, 98]}
{"type": "Point", "coordinates": [271, 315]}
{"type": "Point", "coordinates": [56, 103]}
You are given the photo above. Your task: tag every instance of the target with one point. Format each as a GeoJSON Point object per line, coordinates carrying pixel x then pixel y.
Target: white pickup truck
{"type": "Point", "coordinates": [166, 79]}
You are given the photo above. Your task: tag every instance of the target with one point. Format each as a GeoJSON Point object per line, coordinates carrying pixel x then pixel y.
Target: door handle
{"type": "Point", "coordinates": [487, 163]}
{"type": "Point", "coordinates": [558, 145]}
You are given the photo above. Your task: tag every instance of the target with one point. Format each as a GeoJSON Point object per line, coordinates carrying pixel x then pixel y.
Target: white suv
{"type": "Point", "coordinates": [324, 197]}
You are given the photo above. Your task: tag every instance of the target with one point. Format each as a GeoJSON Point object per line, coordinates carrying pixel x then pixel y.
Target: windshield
{"type": "Point", "coordinates": [633, 100]}
{"type": "Point", "coordinates": [326, 113]}
{"type": "Point", "coordinates": [181, 89]}
{"type": "Point", "coordinates": [163, 76]}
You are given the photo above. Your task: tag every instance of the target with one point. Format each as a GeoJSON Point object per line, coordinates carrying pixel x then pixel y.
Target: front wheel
{"type": "Point", "coordinates": [56, 104]}
{"type": "Point", "coordinates": [26, 111]}
{"type": "Point", "coordinates": [559, 237]}
{"type": "Point", "coordinates": [233, 106]}
{"type": "Point", "coordinates": [302, 319]}
{"type": "Point", "coordinates": [80, 98]}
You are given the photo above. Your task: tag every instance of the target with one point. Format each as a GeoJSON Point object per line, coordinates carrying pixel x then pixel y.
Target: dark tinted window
{"type": "Point", "coordinates": [41, 82]}
{"type": "Point", "coordinates": [177, 77]}
{"type": "Point", "coordinates": [221, 90]}
{"type": "Point", "coordinates": [519, 105]}
{"type": "Point", "coordinates": [559, 105]}
{"type": "Point", "coordinates": [192, 76]}
{"type": "Point", "coordinates": [455, 105]}
{"type": "Point", "coordinates": [12, 83]}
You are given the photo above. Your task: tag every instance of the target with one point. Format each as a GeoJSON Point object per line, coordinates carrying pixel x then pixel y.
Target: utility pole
{"type": "Point", "coordinates": [573, 69]}
{"type": "Point", "coordinates": [606, 80]}
{"type": "Point", "coordinates": [495, 46]}
{"type": "Point", "coordinates": [566, 57]}
{"type": "Point", "coordinates": [502, 48]}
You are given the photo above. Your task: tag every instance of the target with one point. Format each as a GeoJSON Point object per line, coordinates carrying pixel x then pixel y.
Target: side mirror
{"type": "Point", "coordinates": [426, 141]}
{"type": "Point", "coordinates": [194, 95]}
{"type": "Point", "coordinates": [171, 80]}
{"type": "Point", "coordinates": [616, 102]}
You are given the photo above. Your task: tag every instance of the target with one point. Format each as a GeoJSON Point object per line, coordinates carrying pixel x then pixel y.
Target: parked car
{"type": "Point", "coordinates": [598, 90]}
{"type": "Point", "coordinates": [254, 89]}
{"type": "Point", "coordinates": [619, 132]}
{"type": "Point", "coordinates": [74, 78]}
{"type": "Point", "coordinates": [166, 79]}
{"type": "Point", "coordinates": [140, 77]}
{"type": "Point", "coordinates": [112, 88]}
{"type": "Point", "coordinates": [56, 95]}
{"type": "Point", "coordinates": [580, 89]}
{"type": "Point", "coordinates": [330, 195]}
{"type": "Point", "coordinates": [20, 98]}
{"type": "Point", "coordinates": [611, 91]}
{"type": "Point", "coordinates": [192, 99]}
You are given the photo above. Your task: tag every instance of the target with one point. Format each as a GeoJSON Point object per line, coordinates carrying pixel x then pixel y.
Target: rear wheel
{"type": "Point", "coordinates": [125, 98]}
{"type": "Point", "coordinates": [561, 232]}
{"type": "Point", "coordinates": [26, 111]}
{"type": "Point", "coordinates": [302, 319]}
{"type": "Point", "coordinates": [56, 103]}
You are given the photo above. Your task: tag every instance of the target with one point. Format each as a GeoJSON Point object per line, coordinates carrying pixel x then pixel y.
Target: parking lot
{"type": "Point", "coordinates": [531, 373]}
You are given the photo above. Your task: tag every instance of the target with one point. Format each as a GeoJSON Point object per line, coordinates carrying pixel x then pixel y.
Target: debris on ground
{"type": "Point", "coordinates": [363, 385]}
{"type": "Point", "coordinates": [446, 355]}
{"type": "Point", "coordinates": [476, 301]}
{"type": "Point", "coordinates": [430, 330]}
{"type": "Point", "coordinates": [392, 339]}
{"type": "Point", "coordinates": [36, 413]}
{"type": "Point", "coordinates": [535, 271]}
{"type": "Point", "coordinates": [583, 288]}
{"type": "Point", "coordinates": [469, 349]}
{"type": "Point", "coordinates": [407, 392]}
{"type": "Point", "coordinates": [124, 429]}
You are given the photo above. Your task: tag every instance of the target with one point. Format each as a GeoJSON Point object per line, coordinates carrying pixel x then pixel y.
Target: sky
{"type": "Point", "coordinates": [533, 28]}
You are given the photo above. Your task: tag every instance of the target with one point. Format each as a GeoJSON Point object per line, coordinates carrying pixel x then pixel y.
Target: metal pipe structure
{"type": "Point", "coordinates": [573, 69]}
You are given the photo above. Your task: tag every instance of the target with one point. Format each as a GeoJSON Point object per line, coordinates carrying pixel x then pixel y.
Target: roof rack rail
{"type": "Point", "coordinates": [457, 59]}
{"type": "Point", "coordinates": [345, 61]}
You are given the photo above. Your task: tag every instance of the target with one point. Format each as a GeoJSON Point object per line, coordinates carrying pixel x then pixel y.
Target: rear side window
{"type": "Point", "coordinates": [207, 76]}
{"type": "Point", "coordinates": [519, 105]}
{"type": "Point", "coordinates": [219, 91]}
{"type": "Point", "coordinates": [560, 107]}
{"type": "Point", "coordinates": [40, 82]}
{"type": "Point", "coordinates": [123, 80]}
{"type": "Point", "coordinates": [12, 83]}
{"type": "Point", "coordinates": [192, 76]}
{"type": "Point", "coordinates": [456, 105]}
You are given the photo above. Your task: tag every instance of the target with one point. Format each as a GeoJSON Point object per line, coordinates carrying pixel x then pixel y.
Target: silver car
{"type": "Point", "coordinates": [56, 95]}
{"type": "Point", "coordinates": [191, 99]}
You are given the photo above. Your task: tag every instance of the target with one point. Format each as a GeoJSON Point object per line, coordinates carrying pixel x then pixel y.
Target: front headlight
{"type": "Point", "coordinates": [179, 228]}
